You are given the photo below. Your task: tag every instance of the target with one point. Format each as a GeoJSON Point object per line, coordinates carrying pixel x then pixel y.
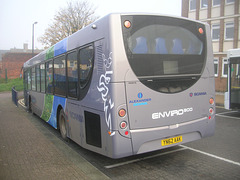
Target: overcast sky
{"type": "Point", "coordinates": [17, 16]}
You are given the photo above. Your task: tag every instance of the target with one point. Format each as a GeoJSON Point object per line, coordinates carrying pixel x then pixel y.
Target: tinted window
{"type": "Point", "coordinates": [49, 77]}
{"type": "Point", "coordinates": [166, 54]}
{"type": "Point", "coordinates": [38, 77]}
{"type": "Point", "coordinates": [42, 70]}
{"type": "Point", "coordinates": [163, 39]}
{"type": "Point", "coordinates": [25, 80]}
{"type": "Point", "coordinates": [29, 86]}
{"type": "Point", "coordinates": [85, 65]}
{"type": "Point", "coordinates": [33, 79]}
{"type": "Point", "coordinates": [60, 76]}
{"type": "Point", "coordinates": [72, 74]}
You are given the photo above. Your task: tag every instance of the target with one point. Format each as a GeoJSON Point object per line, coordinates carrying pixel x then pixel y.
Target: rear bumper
{"type": "Point", "coordinates": [146, 140]}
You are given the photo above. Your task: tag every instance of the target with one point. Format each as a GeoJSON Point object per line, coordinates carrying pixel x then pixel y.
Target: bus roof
{"type": "Point", "coordinates": [70, 42]}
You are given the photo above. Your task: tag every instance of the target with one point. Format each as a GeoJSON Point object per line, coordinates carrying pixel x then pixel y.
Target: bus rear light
{"type": "Point", "coordinates": [122, 112]}
{"type": "Point", "coordinates": [211, 101]}
{"type": "Point", "coordinates": [209, 117]}
{"type": "Point", "coordinates": [127, 24]}
{"type": "Point", "coordinates": [200, 30]}
{"type": "Point", "coordinates": [211, 110]}
{"type": "Point", "coordinates": [123, 125]}
{"type": "Point", "coordinates": [126, 133]}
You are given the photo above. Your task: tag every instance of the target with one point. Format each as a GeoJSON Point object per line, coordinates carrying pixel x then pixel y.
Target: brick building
{"type": "Point", "coordinates": [223, 18]}
{"type": "Point", "coordinates": [12, 61]}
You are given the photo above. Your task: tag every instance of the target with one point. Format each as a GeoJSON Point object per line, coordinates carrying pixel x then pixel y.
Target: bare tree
{"type": "Point", "coordinates": [67, 21]}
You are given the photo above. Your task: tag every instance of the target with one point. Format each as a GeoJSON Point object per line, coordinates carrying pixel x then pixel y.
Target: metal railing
{"type": "Point", "coordinates": [14, 96]}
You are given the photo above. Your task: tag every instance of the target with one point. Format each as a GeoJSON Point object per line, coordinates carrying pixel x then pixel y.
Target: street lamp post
{"type": "Point", "coordinates": [33, 38]}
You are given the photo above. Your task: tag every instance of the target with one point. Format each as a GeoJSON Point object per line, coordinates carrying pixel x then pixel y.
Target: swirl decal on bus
{"type": "Point", "coordinates": [103, 88]}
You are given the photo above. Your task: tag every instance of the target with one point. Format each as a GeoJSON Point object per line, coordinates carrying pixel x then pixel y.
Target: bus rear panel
{"type": "Point", "coordinates": [168, 81]}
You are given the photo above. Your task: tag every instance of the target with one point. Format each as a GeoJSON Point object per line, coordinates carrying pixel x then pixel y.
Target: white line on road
{"type": "Point", "coordinates": [141, 159]}
{"type": "Point", "coordinates": [211, 155]}
{"type": "Point", "coordinates": [219, 115]}
{"type": "Point", "coordinates": [226, 112]}
{"type": "Point", "coordinates": [169, 152]}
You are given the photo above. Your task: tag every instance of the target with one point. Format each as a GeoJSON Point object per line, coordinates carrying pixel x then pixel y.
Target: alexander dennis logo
{"type": "Point", "coordinates": [140, 95]}
{"type": "Point", "coordinates": [140, 101]}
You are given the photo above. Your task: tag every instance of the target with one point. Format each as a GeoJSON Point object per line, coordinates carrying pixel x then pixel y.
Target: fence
{"type": "Point", "coordinates": [14, 96]}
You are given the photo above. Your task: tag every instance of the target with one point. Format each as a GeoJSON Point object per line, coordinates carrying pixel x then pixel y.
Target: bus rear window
{"type": "Point", "coordinates": [164, 39]}
{"type": "Point", "coordinates": [165, 52]}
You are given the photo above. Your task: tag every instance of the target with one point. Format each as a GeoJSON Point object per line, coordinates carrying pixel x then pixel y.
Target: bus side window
{"type": "Point", "coordinates": [85, 65]}
{"type": "Point", "coordinates": [59, 75]}
{"type": "Point", "coordinates": [141, 46]}
{"type": "Point", "coordinates": [42, 70]}
{"type": "Point", "coordinates": [49, 77]}
{"type": "Point", "coordinates": [72, 73]}
{"type": "Point", "coordinates": [29, 79]}
{"type": "Point", "coordinates": [38, 78]}
{"type": "Point", "coordinates": [33, 79]}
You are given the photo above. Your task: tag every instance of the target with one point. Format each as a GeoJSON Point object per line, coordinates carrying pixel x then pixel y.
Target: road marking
{"type": "Point", "coordinates": [144, 158]}
{"type": "Point", "coordinates": [211, 155]}
{"type": "Point", "coordinates": [22, 103]}
{"type": "Point", "coordinates": [231, 117]}
{"type": "Point", "coordinates": [226, 112]}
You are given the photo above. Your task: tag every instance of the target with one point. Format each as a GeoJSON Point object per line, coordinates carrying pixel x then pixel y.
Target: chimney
{"type": "Point", "coordinates": [25, 46]}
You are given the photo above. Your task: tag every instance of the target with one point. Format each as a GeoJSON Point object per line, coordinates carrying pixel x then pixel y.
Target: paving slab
{"type": "Point", "coordinates": [27, 151]}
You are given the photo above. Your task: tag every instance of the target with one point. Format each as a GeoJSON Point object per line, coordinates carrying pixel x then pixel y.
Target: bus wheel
{"type": "Point", "coordinates": [29, 104]}
{"type": "Point", "coordinates": [62, 125]}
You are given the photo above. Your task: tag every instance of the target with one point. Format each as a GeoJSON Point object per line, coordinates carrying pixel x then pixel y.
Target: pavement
{"type": "Point", "coordinates": [30, 151]}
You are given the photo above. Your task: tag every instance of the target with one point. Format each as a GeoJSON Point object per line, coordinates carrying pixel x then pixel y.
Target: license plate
{"type": "Point", "coordinates": [172, 140]}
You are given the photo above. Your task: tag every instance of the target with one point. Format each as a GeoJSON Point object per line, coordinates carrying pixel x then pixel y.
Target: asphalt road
{"type": "Point", "coordinates": [216, 157]}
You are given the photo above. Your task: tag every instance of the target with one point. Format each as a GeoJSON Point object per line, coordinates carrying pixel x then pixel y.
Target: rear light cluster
{"type": "Point", "coordinates": [122, 112]}
{"type": "Point", "coordinates": [211, 101]}
{"type": "Point", "coordinates": [123, 124]}
{"type": "Point", "coordinates": [211, 110]}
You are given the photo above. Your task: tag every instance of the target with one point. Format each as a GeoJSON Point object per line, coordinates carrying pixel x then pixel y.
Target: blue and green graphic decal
{"type": "Point", "coordinates": [51, 104]}
{"type": "Point", "coordinates": [57, 49]}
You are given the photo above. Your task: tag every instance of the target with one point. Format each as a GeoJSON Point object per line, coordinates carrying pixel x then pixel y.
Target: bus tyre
{"type": "Point", "coordinates": [29, 104]}
{"type": "Point", "coordinates": [62, 125]}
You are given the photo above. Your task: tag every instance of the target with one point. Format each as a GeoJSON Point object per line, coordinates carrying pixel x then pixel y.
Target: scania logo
{"type": "Point", "coordinates": [198, 94]}
{"type": "Point", "coordinates": [171, 113]}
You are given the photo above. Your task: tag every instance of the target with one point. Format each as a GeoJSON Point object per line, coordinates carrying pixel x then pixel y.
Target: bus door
{"type": "Point", "coordinates": [234, 82]}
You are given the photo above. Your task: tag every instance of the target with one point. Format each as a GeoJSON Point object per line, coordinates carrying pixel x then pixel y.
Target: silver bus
{"type": "Point", "coordinates": [127, 84]}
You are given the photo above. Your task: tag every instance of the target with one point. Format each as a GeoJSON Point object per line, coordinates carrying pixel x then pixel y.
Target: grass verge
{"type": "Point", "coordinates": [7, 86]}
